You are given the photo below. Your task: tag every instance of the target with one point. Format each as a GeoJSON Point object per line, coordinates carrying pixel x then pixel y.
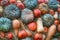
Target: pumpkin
{"type": "Point", "coordinates": [11, 11]}
{"type": "Point", "coordinates": [27, 15]}
{"type": "Point", "coordinates": [32, 26]}
{"type": "Point", "coordinates": [47, 19]}
{"type": "Point", "coordinates": [30, 3]}
{"type": "Point", "coordinates": [59, 17]}
{"type": "Point", "coordinates": [5, 24]}
{"type": "Point", "coordinates": [53, 4]}
{"type": "Point", "coordinates": [38, 36]}
{"type": "Point", "coordinates": [43, 8]}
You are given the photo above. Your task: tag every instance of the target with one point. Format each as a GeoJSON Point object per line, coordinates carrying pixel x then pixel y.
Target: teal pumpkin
{"type": "Point", "coordinates": [12, 11]}
{"type": "Point", "coordinates": [27, 15]}
{"type": "Point", "coordinates": [59, 17]}
{"type": "Point", "coordinates": [47, 20]}
{"type": "Point", "coordinates": [5, 24]}
{"type": "Point", "coordinates": [30, 3]}
{"type": "Point", "coordinates": [53, 4]}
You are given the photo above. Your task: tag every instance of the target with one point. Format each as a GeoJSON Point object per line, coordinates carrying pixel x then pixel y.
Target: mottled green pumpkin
{"type": "Point", "coordinates": [47, 20]}
{"type": "Point", "coordinates": [30, 4]}
{"type": "Point", "coordinates": [27, 15]}
{"type": "Point", "coordinates": [5, 24]}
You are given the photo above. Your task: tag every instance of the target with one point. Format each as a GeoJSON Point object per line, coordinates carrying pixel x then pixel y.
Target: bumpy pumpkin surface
{"type": "Point", "coordinates": [47, 19]}
{"type": "Point", "coordinates": [53, 4]}
{"type": "Point", "coordinates": [27, 15]}
{"type": "Point", "coordinates": [43, 7]}
{"type": "Point", "coordinates": [5, 24]}
{"type": "Point", "coordinates": [11, 11]}
{"type": "Point", "coordinates": [30, 3]}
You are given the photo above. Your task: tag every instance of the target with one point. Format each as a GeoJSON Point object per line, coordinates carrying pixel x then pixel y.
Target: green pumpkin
{"type": "Point", "coordinates": [30, 4]}
{"type": "Point", "coordinates": [5, 24]}
{"type": "Point", "coordinates": [47, 20]}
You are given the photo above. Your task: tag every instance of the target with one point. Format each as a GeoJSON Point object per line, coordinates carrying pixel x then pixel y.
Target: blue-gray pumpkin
{"type": "Point", "coordinates": [47, 20]}
{"type": "Point", "coordinates": [12, 11]}
{"type": "Point", "coordinates": [27, 15]}
{"type": "Point", "coordinates": [30, 3]}
{"type": "Point", "coordinates": [53, 4]}
{"type": "Point", "coordinates": [59, 17]}
{"type": "Point", "coordinates": [5, 24]}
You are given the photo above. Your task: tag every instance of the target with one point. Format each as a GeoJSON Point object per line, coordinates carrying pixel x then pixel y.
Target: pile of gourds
{"type": "Point", "coordinates": [29, 19]}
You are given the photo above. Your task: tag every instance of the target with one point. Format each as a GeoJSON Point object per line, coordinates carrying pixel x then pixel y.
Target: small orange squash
{"type": "Point", "coordinates": [15, 25]}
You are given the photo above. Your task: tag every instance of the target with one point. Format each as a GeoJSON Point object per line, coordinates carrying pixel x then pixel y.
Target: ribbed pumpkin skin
{"type": "Point", "coordinates": [27, 15]}
{"type": "Point", "coordinates": [59, 17]}
{"type": "Point", "coordinates": [5, 24]}
{"type": "Point", "coordinates": [11, 11]}
{"type": "Point", "coordinates": [47, 20]}
{"type": "Point", "coordinates": [53, 4]}
{"type": "Point", "coordinates": [30, 3]}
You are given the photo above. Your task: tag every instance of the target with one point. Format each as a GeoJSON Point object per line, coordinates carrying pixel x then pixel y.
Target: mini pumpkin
{"type": "Point", "coordinates": [53, 4]}
{"type": "Point", "coordinates": [47, 19]}
{"type": "Point", "coordinates": [27, 15]}
{"type": "Point", "coordinates": [12, 11]}
{"type": "Point", "coordinates": [43, 8]}
{"type": "Point", "coordinates": [5, 24]}
{"type": "Point", "coordinates": [30, 3]}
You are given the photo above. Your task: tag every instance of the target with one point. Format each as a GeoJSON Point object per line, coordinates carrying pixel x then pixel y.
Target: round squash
{"type": "Point", "coordinates": [12, 11]}
{"type": "Point", "coordinates": [27, 15]}
{"type": "Point", "coordinates": [5, 24]}
{"type": "Point", "coordinates": [30, 3]}
{"type": "Point", "coordinates": [53, 4]}
{"type": "Point", "coordinates": [47, 20]}
{"type": "Point", "coordinates": [43, 8]}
